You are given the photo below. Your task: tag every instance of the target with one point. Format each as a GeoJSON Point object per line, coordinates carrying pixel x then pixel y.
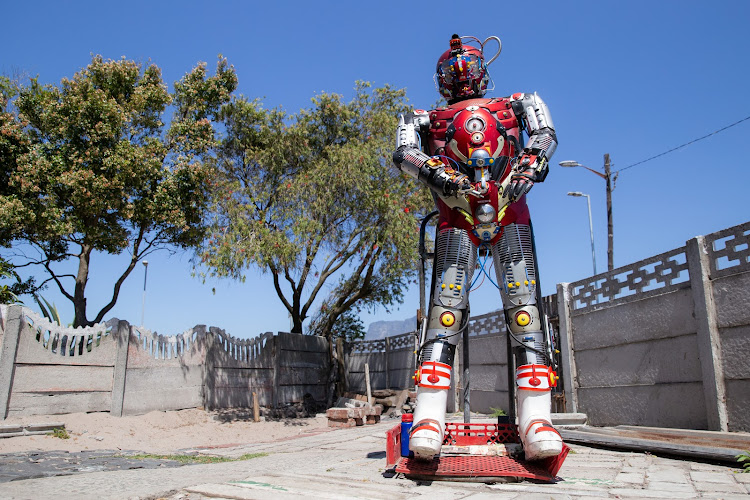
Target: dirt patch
{"type": "Point", "coordinates": [159, 431]}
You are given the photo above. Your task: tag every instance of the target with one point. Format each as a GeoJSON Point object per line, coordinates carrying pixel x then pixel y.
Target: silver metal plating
{"type": "Point", "coordinates": [514, 265]}
{"type": "Point", "coordinates": [455, 260]}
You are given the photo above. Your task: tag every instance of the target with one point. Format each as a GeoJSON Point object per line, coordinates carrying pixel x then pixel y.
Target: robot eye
{"type": "Point", "coordinates": [474, 124]}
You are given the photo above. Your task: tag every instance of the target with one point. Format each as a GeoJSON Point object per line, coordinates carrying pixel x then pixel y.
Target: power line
{"type": "Point", "coordinates": [683, 145]}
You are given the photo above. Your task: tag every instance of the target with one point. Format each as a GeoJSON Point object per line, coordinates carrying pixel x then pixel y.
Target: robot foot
{"type": "Point", "coordinates": [541, 440]}
{"type": "Point", "coordinates": [425, 442]}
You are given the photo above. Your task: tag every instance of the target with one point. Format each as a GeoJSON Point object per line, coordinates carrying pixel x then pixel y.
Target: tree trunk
{"type": "Point", "coordinates": [79, 295]}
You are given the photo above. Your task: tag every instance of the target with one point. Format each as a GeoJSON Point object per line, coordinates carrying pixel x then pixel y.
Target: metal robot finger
{"type": "Point", "coordinates": [471, 154]}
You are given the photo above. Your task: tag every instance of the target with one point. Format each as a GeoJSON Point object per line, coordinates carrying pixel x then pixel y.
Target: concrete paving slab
{"type": "Point", "coordinates": [710, 477]}
{"type": "Point", "coordinates": [663, 486]}
{"type": "Point", "coordinates": [675, 476]}
{"type": "Point", "coordinates": [720, 487]}
{"type": "Point", "coordinates": [350, 463]}
{"type": "Point", "coordinates": [630, 477]}
{"type": "Point", "coordinates": [640, 493]}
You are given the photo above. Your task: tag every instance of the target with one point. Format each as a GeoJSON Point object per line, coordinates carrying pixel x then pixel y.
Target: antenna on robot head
{"type": "Point", "coordinates": [456, 44]}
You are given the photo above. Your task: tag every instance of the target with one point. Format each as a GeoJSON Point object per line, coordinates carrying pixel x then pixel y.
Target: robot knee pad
{"type": "Point", "coordinates": [529, 340]}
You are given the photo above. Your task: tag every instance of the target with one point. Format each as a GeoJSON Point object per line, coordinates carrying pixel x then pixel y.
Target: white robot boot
{"type": "Point", "coordinates": [427, 433]}
{"type": "Point", "coordinates": [539, 438]}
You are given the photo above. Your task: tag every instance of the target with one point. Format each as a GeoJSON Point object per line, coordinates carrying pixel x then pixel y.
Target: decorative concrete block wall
{"type": "Point", "coordinates": [125, 370]}
{"type": "Point", "coordinates": [664, 341]}
{"type": "Point", "coordinates": [488, 364]}
{"type": "Point", "coordinates": [164, 372]}
{"type": "Point", "coordinates": [391, 362]}
{"type": "Point", "coordinates": [47, 369]}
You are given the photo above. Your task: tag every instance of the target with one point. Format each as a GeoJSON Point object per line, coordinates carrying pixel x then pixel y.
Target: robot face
{"type": "Point", "coordinates": [462, 75]}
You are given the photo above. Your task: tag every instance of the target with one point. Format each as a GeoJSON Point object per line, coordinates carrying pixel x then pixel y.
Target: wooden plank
{"type": "Point", "coordinates": [57, 378]}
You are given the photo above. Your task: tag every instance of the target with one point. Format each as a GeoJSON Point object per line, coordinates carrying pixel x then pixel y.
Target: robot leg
{"type": "Point", "coordinates": [516, 274]}
{"type": "Point", "coordinates": [455, 259]}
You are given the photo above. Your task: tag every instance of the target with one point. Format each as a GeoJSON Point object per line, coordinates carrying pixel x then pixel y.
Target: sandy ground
{"type": "Point", "coordinates": [159, 431]}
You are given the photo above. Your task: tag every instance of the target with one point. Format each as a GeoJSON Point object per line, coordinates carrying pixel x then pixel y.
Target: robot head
{"type": "Point", "coordinates": [461, 72]}
{"type": "Point", "coordinates": [475, 140]}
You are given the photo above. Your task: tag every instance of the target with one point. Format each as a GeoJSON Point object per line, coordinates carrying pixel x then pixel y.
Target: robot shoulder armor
{"type": "Point", "coordinates": [418, 117]}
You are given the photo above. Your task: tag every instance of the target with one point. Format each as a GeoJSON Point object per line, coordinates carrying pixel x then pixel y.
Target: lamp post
{"type": "Point", "coordinates": [607, 176]}
{"type": "Point", "coordinates": [143, 303]}
{"type": "Point", "coordinates": [591, 225]}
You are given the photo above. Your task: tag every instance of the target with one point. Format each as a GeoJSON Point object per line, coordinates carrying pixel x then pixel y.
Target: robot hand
{"type": "Point", "coordinates": [456, 183]}
{"type": "Point", "coordinates": [523, 177]}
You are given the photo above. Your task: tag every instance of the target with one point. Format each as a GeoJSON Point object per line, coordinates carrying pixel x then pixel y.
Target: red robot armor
{"type": "Point", "coordinates": [475, 139]}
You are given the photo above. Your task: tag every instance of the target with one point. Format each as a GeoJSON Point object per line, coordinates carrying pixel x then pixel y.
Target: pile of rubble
{"type": "Point", "coordinates": [354, 409]}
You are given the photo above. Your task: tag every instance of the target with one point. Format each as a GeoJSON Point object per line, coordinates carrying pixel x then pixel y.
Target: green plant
{"type": "Point", "coordinates": [60, 433]}
{"type": "Point", "coordinates": [497, 412]}
{"type": "Point", "coordinates": [744, 461]}
{"type": "Point", "coordinates": [50, 312]}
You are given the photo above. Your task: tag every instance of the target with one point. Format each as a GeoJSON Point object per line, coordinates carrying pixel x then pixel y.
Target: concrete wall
{"type": "Point", "coordinates": [46, 369]}
{"type": "Point", "coordinates": [164, 372]}
{"type": "Point", "coordinates": [488, 364]}
{"type": "Point", "coordinates": [664, 341]}
{"type": "Point", "coordinates": [125, 370]}
{"type": "Point", "coordinates": [391, 362]}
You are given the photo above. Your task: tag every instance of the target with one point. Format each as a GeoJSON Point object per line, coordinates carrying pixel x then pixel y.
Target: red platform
{"type": "Point", "coordinates": [469, 467]}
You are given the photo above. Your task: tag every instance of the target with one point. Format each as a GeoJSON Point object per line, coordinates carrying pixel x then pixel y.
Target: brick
{"type": "Point", "coordinates": [340, 423]}
{"type": "Point", "coordinates": [342, 413]}
{"type": "Point", "coordinates": [375, 410]}
{"type": "Point", "coordinates": [372, 419]}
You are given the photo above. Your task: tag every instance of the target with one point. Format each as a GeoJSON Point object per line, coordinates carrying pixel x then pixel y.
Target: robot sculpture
{"type": "Point", "coordinates": [472, 156]}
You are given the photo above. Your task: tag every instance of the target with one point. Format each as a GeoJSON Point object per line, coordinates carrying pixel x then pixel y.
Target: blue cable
{"type": "Point", "coordinates": [481, 266]}
{"type": "Point", "coordinates": [448, 158]}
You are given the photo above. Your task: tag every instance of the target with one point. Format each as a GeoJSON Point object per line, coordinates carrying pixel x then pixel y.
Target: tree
{"type": "Point", "coordinates": [97, 170]}
{"type": "Point", "coordinates": [313, 200]}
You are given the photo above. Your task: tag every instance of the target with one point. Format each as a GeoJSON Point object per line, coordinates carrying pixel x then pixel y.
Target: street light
{"type": "Point", "coordinates": [591, 224]}
{"type": "Point", "coordinates": [607, 176]}
{"type": "Point", "coordinates": [143, 304]}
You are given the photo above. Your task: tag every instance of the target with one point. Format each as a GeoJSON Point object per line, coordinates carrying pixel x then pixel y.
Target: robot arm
{"type": "Point", "coordinates": [532, 166]}
{"type": "Point", "coordinates": [409, 158]}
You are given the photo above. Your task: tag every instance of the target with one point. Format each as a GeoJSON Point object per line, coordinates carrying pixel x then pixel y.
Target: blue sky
{"type": "Point", "coordinates": [632, 79]}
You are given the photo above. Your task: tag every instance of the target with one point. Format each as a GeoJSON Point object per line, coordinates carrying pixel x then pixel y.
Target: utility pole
{"type": "Point", "coordinates": [607, 176]}
{"type": "Point", "coordinates": [610, 228]}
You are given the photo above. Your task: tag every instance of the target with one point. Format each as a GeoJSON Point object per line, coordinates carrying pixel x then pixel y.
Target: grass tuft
{"type": "Point", "coordinates": [196, 459]}
{"type": "Point", "coordinates": [59, 433]}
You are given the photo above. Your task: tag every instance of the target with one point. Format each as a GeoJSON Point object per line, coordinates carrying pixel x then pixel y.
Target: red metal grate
{"type": "Point", "coordinates": [479, 467]}
{"type": "Point", "coordinates": [461, 434]}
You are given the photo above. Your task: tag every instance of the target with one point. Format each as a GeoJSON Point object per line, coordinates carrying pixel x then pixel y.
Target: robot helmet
{"type": "Point", "coordinates": [461, 71]}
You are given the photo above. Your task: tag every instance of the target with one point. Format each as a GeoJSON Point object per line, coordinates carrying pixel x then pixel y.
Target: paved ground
{"type": "Point", "coordinates": [350, 463]}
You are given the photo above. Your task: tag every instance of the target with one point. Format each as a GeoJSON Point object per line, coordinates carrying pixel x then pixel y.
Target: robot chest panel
{"type": "Point", "coordinates": [442, 118]}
